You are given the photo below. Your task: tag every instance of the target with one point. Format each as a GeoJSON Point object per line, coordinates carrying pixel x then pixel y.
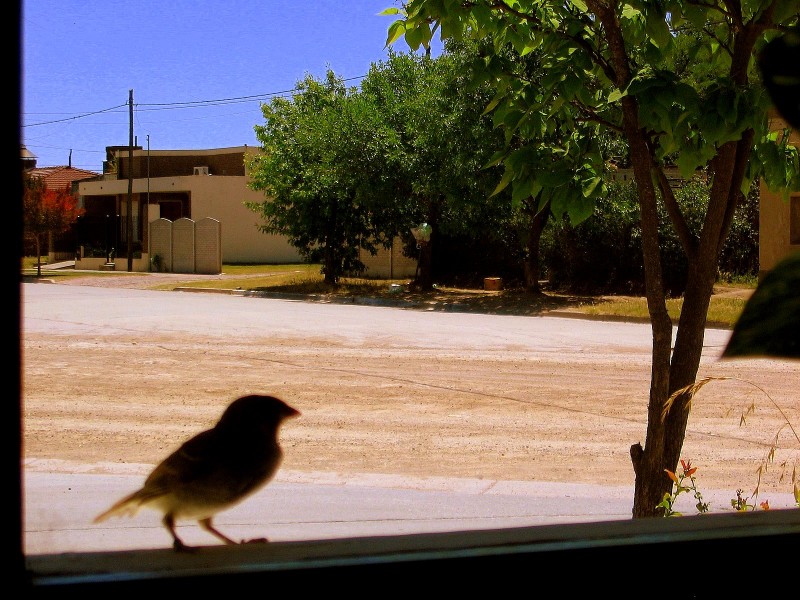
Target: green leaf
{"type": "Point", "coordinates": [522, 190]}
{"type": "Point", "coordinates": [659, 32]}
{"type": "Point", "coordinates": [590, 185]}
{"type": "Point", "coordinates": [452, 30]}
{"type": "Point", "coordinates": [616, 95]}
{"type": "Point", "coordinates": [580, 210]}
{"type": "Point", "coordinates": [507, 177]}
{"type": "Point", "coordinates": [535, 189]}
{"type": "Point", "coordinates": [417, 37]}
{"type": "Point", "coordinates": [491, 106]}
{"type": "Point", "coordinates": [495, 159]}
{"type": "Point", "coordinates": [695, 15]}
{"type": "Point", "coordinates": [571, 86]}
{"type": "Point", "coordinates": [688, 162]}
{"type": "Point", "coordinates": [565, 200]}
{"type": "Point", "coordinates": [770, 322]}
{"type": "Point", "coordinates": [631, 13]}
{"type": "Point", "coordinates": [396, 31]}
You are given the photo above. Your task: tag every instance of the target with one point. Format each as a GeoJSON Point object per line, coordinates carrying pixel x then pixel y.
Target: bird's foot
{"type": "Point", "coordinates": [255, 541]}
{"type": "Point", "coordinates": [179, 546]}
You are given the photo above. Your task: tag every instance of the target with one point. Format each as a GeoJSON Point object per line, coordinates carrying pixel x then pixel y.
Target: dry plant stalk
{"type": "Point", "coordinates": [687, 394]}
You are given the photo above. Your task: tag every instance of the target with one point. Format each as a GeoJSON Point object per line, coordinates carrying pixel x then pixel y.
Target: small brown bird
{"type": "Point", "coordinates": [214, 470]}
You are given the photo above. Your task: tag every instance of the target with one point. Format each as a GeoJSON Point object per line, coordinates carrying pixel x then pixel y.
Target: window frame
{"type": "Point", "coordinates": [614, 557]}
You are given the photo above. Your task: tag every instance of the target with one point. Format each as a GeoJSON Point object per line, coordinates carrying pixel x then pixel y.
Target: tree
{"type": "Point", "coordinates": [344, 169]}
{"type": "Point", "coordinates": [553, 168]}
{"type": "Point", "coordinates": [322, 155]}
{"type": "Point", "coordinates": [446, 142]}
{"type": "Point", "coordinates": [46, 212]}
{"type": "Point", "coordinates": [612, 66]}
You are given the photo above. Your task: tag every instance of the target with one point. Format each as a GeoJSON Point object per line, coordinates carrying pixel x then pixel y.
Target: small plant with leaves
{"type": "Point", "coordinates": [788, 468]}
{"type": "Point", "coordinates": [742, 503]}
{"type": "Point", "coordinates": [157, 263]}
{"type": "Point", "coordinates": [680, 486]}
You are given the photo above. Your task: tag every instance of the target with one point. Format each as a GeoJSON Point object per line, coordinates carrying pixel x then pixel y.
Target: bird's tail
{"type": "Point", "coordinates": [127, 506]}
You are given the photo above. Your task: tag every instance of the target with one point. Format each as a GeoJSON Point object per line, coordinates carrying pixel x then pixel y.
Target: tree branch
{"type": "Point", "coordinates": [688, 239]}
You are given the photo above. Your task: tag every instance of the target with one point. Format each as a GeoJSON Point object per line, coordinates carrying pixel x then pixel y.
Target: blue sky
{"type": "Point", "coordinates": [84, 56]}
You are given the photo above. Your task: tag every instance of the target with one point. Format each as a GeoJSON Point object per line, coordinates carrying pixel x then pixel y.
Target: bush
{"type": "Point", "coordinates": [603, 254]}
{"type": "Point", "coordinates": [739, 258]}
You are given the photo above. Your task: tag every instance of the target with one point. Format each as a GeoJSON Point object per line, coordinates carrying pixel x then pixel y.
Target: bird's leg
{"type": "Point", "coordinates": [177, 543]}
{"type": "Point", "coordinates": [206, 524]}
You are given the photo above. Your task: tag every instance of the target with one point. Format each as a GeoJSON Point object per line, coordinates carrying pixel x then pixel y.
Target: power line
{"type": "Point", "coordinates": [97, 112]}
{"type": "Point", "coordinates": [182, 105]}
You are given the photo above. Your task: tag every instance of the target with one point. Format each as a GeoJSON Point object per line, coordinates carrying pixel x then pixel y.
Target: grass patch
{"type": "Point", "coordinates": [258, 269]}
{"type": "Point", "coordinates": [314, 283]}
{"type": "Point", "coordinates": [722, 311]}
{"type": "Point", "coordinates": [725, 311]}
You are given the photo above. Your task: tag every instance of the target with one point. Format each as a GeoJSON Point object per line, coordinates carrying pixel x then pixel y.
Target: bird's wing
{"type": "Point", "coordinates": [187, 464]}
{"type": "Point", "coordinates": [192, 461]}
{"type": "Point", "coordinates": [204, 467]}
{"type": "Point", "coordinates": [218, 467]}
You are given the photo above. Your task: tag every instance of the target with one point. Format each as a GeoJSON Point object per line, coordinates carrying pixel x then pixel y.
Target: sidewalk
{"type": "Point", "coordinates": [60, 507]}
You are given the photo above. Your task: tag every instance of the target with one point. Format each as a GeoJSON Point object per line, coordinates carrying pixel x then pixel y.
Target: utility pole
{"type": "Point", "coordinates": [130, 182]}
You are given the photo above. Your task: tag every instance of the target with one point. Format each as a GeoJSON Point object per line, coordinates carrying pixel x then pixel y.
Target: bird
{"type": "Point", "coordinates": [214, 470]}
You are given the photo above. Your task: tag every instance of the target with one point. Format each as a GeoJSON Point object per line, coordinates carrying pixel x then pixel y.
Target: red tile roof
{"type": "Point", "coordinates": [59, 177]}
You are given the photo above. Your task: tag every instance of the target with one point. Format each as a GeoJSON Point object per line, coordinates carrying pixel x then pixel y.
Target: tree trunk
{"type": "Point", "coordinates": [425, 276]}
{"type": "Point", "coordinates": [532, 266]}
{"type": "Point", "coordinates": [649, 462]}
{"type": "Point", "coordinates": [673, 370]}
{"type": "Point", "coordinates": [725, 196]}
{"type": "Point", "coordinates": [651, 481]}
{"type": "Point", "coordinates": [424, 280]}
{"type": "Point", "coordinates": [331, 262]}
{"type": "Point", "coordinates": [38, 257]}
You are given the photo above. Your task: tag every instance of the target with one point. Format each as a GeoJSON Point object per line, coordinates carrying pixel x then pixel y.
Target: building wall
{"type": "Point", "coordinates": [208, 247]}
{"type": "Point", "coordinates": [389, 263]}
{"type": "Point", "coordinates": [167, 164]}
{"type": "Point", "coordinates": [223, 198]}
{"type": "Point", "coordinates": [779, 219]}
{"type": "Point", "coordinates": [219, 197]}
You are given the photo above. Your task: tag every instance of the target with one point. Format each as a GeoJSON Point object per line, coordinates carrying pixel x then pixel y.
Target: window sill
{"type": "Point", "coordinates": [611, 555]}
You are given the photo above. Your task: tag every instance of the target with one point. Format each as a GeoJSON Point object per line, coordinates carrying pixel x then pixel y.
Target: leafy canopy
{"type": "Point", "coordinates": [688, 113]}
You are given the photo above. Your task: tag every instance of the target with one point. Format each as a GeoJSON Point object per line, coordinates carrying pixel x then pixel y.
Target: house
{"type": "Point", "coordinates": [180, 185]}
{"type": "Point", "coordinates": [779, 220]}
{"type": "Point", "coordinates": [175, 186]}
{"type": "Point", "coordinates": [60, 247]}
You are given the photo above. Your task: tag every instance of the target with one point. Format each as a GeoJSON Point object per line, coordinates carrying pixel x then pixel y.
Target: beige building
{"type": "Point", "coordinates": [183, 202]}
{"type": "Point", "coordinates": [388, 263]}
{"type": "Point", "coordinates": [177, 186]}
{"type": "Point", "coordinates": [779, 219]}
